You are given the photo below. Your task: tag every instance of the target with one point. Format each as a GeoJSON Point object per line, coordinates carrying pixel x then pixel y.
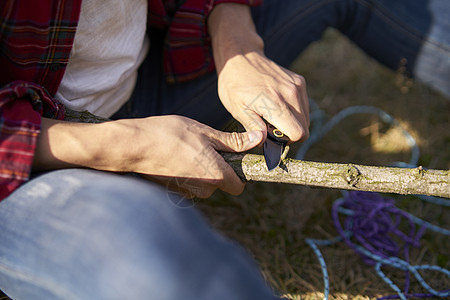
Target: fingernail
{"type": "Point", "coordinates": [253, 136]}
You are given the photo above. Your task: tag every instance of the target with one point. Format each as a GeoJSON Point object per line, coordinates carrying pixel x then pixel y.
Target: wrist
{"type": "Point", "coordinates": [232, 33]}
{"type": "Point", "coordinates": [118, 150]}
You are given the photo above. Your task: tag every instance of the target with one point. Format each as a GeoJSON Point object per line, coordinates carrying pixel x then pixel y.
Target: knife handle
{"type": "Point", "coordinates": [276, 134]}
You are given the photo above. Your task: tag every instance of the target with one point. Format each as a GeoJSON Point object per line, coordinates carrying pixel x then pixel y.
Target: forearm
{"type": "Point", "coordinates": [233, 33]}
{"type": "Point", "coordinates": [65, 144]}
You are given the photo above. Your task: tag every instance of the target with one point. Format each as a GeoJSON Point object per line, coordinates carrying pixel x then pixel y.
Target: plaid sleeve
{"type": "Point", "coordinates": [21, 106]}
{"type": "Point", "coordinates": [188, 46]}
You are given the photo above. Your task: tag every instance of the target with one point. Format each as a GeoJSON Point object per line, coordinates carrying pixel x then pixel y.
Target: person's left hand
{"type": "Point", "coordinates": [252, 86]}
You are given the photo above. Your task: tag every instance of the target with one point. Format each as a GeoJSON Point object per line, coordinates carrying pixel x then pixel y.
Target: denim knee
{"type": "Point", "coordinates": [98, 235]}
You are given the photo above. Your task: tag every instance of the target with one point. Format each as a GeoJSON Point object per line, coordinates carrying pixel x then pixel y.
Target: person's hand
{"type": "Point", "coordinates": [252, 86]}
{"type": "Point", "coordinates": [173, 150]}
{"type": "Point", "coordinates": [182, 154]}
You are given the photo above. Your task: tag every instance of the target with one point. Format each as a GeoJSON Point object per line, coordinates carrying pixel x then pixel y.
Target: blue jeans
{"type": "Point", "coordinates": [86, 234]}
{"type": "Point", "coordinates": [83, 234]}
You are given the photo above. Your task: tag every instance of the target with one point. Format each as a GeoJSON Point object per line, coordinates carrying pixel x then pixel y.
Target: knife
{"type": "Point", "coordinates": [274, 146]}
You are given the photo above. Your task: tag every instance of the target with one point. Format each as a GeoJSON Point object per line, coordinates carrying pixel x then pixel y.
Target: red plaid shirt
{"type": "Point", "coordinates": [36, 38]}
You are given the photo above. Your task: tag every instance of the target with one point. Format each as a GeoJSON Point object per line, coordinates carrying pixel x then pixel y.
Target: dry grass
{"type": "Point", "coordinates": [272, 220]}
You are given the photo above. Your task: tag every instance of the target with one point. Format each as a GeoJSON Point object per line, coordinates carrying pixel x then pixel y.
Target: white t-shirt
{"type": "Point", "coordinates": [110, 44]}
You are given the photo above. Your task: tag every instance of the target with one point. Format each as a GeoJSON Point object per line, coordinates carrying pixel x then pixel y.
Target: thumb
{"type": "Point", "coordinates": [253, 122]}
{"type": "Point", "coordinates": [236, 141]}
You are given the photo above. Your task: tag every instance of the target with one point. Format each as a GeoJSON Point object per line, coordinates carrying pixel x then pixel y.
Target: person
{"type": "Point", "coordinates": [75, 223]}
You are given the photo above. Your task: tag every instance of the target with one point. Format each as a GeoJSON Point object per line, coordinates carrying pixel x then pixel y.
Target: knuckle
{"type": "Point", "coordinates": [292, 92]}
{"type": "Point", "coordinates": [297, 80]}
{"type": "Point", "coordinates": [301, 80]}
{"type": "Point", "coordinates": [296, 136]}
{"type": "Point", "coordinates": [299, 134]}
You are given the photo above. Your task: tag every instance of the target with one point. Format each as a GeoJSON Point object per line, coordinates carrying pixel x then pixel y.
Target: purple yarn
{"type": "Point", "coordinates": [374, 223]}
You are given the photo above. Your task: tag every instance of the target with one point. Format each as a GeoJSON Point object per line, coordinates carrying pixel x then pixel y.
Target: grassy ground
{"type": "Point", "coordinates": [272, 220]}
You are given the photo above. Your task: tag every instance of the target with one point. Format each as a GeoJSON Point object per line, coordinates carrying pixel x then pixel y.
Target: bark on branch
{"type": "Point", "coordinates": [251, 167]}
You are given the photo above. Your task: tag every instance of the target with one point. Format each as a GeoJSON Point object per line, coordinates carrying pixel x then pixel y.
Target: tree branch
{"type": "Point", "coordinates": [251, 167]}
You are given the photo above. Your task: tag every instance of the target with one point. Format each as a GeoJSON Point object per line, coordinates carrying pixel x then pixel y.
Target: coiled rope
{"type": "Point", "coordinates": [372, 224]}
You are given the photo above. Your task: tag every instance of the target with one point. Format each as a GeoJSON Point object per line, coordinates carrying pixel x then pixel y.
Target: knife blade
{"type": "Point", "coordinates": [274, 146]}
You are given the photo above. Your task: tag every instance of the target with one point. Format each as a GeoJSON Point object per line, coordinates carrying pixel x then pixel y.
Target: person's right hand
{"type": "Point", "coordinates": [176, 151]}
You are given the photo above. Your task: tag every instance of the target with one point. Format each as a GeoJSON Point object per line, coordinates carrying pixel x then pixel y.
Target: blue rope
{"type": "Point", "coordinates": [322, 130]}
{"type": "Point", "coordinates": [313, 244]}
{"type": "Point", "coordinates": [380, 261]}
{"type": "Point", "coordinates": [435, 200]}
{"type": "Point", "coordinates": [319, 130]}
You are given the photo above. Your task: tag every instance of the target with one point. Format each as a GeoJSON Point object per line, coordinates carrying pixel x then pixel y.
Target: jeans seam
{"type": "Point", "coordinates": [314, 5]}
{"type": "Point", "coordinates": [377, 9]}
{"type": "Point", "coordinates": [383, 13]}
{"type": "Point", "coordinates": [49, 286]}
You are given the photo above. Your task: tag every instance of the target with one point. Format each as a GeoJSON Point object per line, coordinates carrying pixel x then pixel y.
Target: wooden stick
{"type": "Point", "coordinates": [251, 167]}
